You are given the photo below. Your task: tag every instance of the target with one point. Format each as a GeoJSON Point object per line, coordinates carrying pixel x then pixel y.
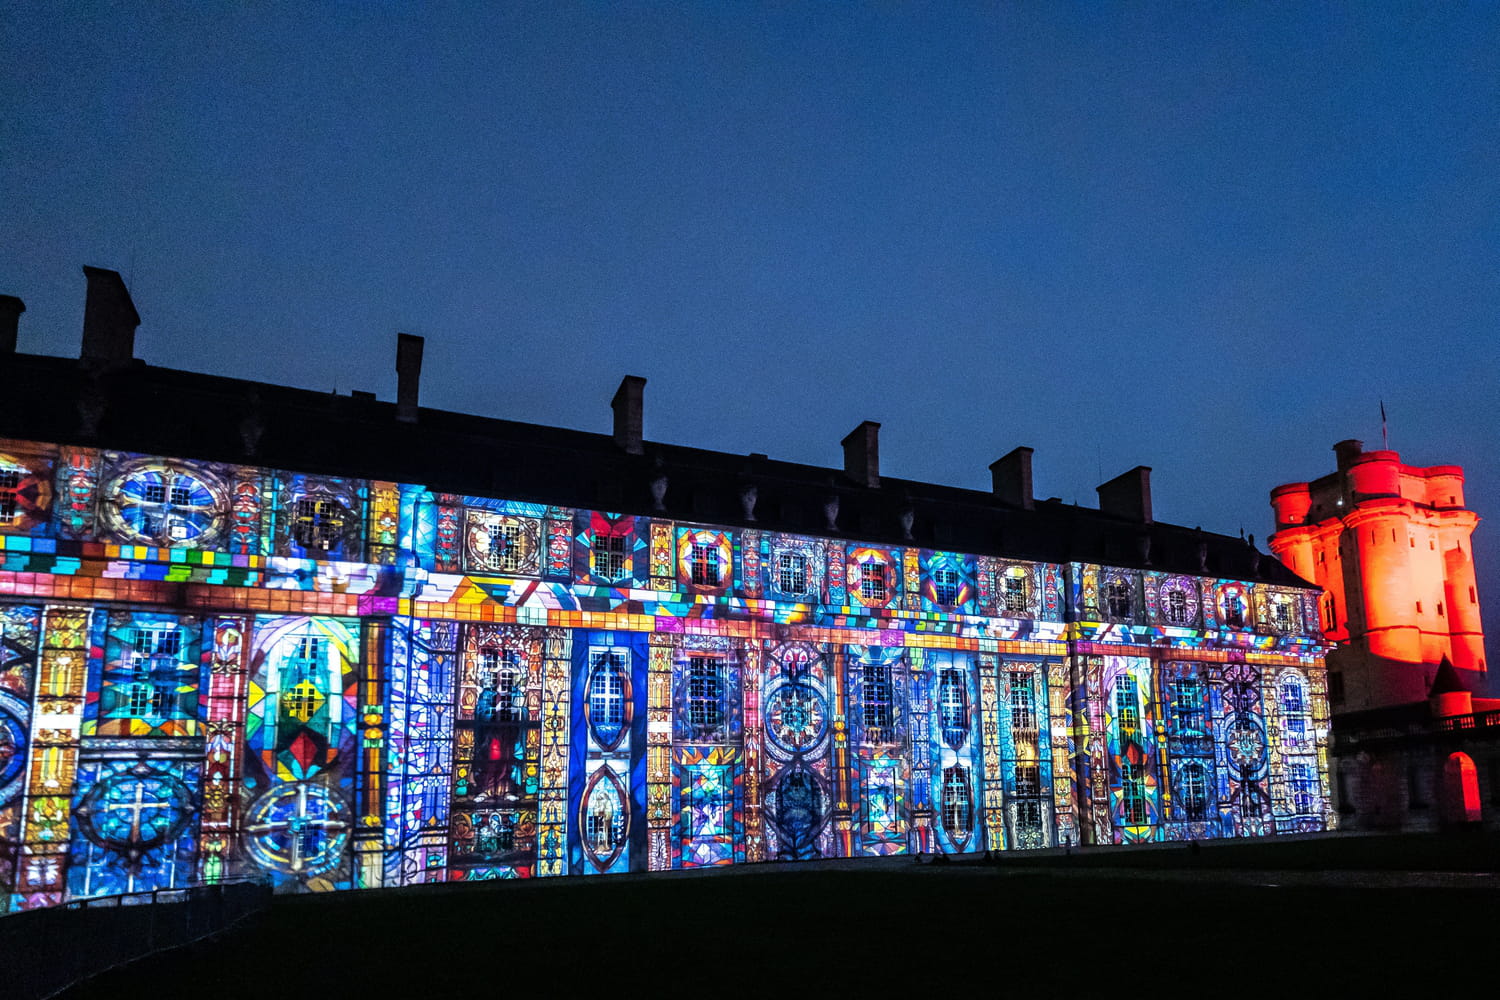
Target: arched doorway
{"type": "Point", "coordinates": [1460, 790]}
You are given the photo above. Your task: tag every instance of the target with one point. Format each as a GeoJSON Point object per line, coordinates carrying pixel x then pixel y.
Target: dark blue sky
{"type": "Point", "coordinates": [1209, 241]}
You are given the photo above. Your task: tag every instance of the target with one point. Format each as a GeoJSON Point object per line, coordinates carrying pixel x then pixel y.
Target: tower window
{"type": "Point", "coordinates": [872, 585]}
{"type": "Point", "coordinates": [705, 564]}
{"type": "Point", "coordinates": [791, 572]}
{"type": "Point", "coordinates": [609, 556]}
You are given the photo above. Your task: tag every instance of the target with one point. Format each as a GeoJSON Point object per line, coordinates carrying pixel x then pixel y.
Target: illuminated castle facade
{"type": "Point", "coordinates": [254, 630]}
{"type": "Point", "coordinates": [1390, 544]}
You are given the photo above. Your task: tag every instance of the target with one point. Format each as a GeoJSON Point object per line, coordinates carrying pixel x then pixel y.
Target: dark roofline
{"type": "Point", "coordinates": [474, 455]}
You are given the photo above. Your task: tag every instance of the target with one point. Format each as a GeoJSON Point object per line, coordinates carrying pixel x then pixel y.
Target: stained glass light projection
{"type": "Point", "coordinates": [213, 671]}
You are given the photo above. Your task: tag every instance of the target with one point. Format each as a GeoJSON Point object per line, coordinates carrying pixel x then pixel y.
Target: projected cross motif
{"type": "Point", "coordinates": [135, 812]}
{"type": "Point", "coordinates": [298, 829]}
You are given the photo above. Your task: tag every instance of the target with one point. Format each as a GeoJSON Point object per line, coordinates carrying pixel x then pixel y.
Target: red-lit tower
{"type": "Point", "coordinates": [1390, 546]}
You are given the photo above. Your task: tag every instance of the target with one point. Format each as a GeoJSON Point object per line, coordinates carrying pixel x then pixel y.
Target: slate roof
{"type": "Point", "coordinates": [164, 411]}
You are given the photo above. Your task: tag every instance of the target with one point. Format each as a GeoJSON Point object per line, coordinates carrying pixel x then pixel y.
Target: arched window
{"type": "Point", "coordinates": [607, 695]}
{"type": "Point", "coordinates": [1461, 790]}
{"type": "Point", "coordinates": [958, 805]}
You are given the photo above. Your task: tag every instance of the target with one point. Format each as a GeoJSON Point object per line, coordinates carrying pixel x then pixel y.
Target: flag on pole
{"type": "Point", "coordinates": [1385, 439]}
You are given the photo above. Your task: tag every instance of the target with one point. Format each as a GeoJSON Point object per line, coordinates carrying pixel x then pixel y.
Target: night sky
{"type": "Point", "coordinates": [1208, 241]}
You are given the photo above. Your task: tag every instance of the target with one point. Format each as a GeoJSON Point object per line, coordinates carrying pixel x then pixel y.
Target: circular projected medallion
{"type": "Point", "coordinates": [298, 829]}
{"type": "Point", "coordinates": [796, 717]}
{"type": "Point", "coordinates": [164, 505]}
{"type": "Point", "coordinates": [1246, 743]}
{"type": "Point", "coordinates": [136, 811]}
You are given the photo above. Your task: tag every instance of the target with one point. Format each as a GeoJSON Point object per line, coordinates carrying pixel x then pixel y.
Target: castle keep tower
{"type": "Point", "coordinates": [1390, 546]}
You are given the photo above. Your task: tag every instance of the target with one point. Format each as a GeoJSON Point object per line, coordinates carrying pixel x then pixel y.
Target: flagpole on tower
{"type": "Point", "coordinates": [1385, 438]}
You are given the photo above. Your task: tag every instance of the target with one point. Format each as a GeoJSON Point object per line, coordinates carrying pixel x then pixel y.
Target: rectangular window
{"type": "Point", "coordinates": [945, 586]}
{"type": "Point", "coordinates": [1022, 703]}
{"type": "Point", "coordinates": [1015, 595]}
{"type": "Point", "coordinates": [705, 564]}
{"type": "Point", "coordinates": [1127, 707]}
{"type": "Point", "coordinates": [1302, 782]}
{"type": "Point", "coordinates": [1187, 707]}
{"type": "Point", "coordinates": [879, 709]}
{"type": "Point", "coordinates": [872, 585]}
{"type": "Point", "coordinates": [317, 524]}
{"type": "Point", "coordinates": [609, 556]}
{"type": "Point", "coordinates": [1029, 818]}
{"type": "Point", "coordinates": [182, 496]}
{"type": "Point", "coordinates": [1028, 779]}
{"type": "Point", "coordinates": [705, 693]}
{"type": "Point", "coordinates": [154, 493]}
{"type": "Point", "coordinates": [1133, 789]}
{"type": "Point", "coordinates": [791, 572]}
{"type": "Point", "coordinates": [1281, 614]}
{"type": "Point", "coordinates": [10, 481]}
{"type": "Point", "coordinates": [505, 549]}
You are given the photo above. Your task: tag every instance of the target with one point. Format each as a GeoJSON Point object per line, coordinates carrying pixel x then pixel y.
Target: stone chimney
{"type": "Point", "coordinates": [11, 309]}
{"type": "Point", "coordinates": [1347, 452]}
{"type": "Point", "coordinates": [1011, 476]}
{"type": "Point", "coordinates": [1128, 495]}
{"type": "Point", "coordinates": [862, 454]}
{"type": "Point", "coordinates": [408, 375]}
{"type": "Point", "coordinates": [109, 320]}
{"type": "Point", "coordinates": [629, 405]}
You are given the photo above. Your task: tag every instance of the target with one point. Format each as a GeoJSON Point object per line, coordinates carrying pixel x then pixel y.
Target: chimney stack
{"type": "Point", "coordinates": [1347, 452]}
{"type": "Point", "coordinates": [629, 406]}
{"type": "Point", "coordinates": [109, 319]}
{"type": "Point", "coordinates": [862, 454]}
{"type": "Point", "coordinates": [1011, 477]}
{"type": "Point", "coordinates": [11, 309]}
{"type": "Point", "coordinates": [1128, 495]}
{"type": "Point", "coordinates": [408, 375]}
